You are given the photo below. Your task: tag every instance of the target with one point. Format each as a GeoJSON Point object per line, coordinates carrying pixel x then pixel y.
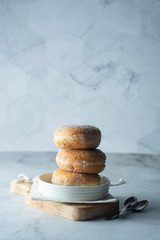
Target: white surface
{"type": "Point", "coordinates": [36, 195]}
{"type": "Point", "coordinates": [19, 221]}
{"type": "Point", "coordinates": [44, 190]}
{"type": "Point", "coordinates": [80, 62]}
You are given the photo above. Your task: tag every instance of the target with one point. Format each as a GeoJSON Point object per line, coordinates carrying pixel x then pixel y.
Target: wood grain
{"type": "Point", "coordinates": [72, 211]}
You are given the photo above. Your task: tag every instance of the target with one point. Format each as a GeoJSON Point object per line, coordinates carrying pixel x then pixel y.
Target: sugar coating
{"type": "Point", "coordinates": [62, 177]}
{"type": "Point", "coordinates": [77, 137]}
{"type": "Point", "coordinates": [77, 126]}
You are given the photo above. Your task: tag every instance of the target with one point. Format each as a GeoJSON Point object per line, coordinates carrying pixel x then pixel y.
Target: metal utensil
{"type": "Point", "coordinates": [130, 204]}
{"type": "Point", "coordinates": [130, 201]}
{"type": "Point", "coordinates": [139, 206]}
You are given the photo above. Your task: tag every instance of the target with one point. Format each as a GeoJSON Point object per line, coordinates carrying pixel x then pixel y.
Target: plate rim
{"type": "Point", "coordinates": [108, 181]}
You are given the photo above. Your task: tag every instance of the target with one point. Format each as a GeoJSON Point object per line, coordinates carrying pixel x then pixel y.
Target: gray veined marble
{"type": "Point", "coordinates": [24, 46]}
{"type": "Point", "coordinates": [133, 110]}
{"type": "Point", "coordinates": [68, 50]}
{"type": "Point", "coordinates": [63, 61]}
{"type": "Point", "coordinates": [141, 173]}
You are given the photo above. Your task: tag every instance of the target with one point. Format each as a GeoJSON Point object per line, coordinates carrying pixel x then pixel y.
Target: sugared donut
{"type": "Point", "coordinates": [77, 137]}
{"type": "Point", "coordinates": [81, 161]}
{"type": "Point", "coordinates": [61, 177]}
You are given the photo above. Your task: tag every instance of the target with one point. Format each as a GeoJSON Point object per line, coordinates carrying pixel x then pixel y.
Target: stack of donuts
{"type": "Point", "coordinates": [78, 159]}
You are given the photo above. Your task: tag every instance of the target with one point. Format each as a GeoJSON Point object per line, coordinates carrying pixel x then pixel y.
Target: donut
{"type": "Point", "coordinates": [61, 177]}
{"type": "Point", "coordinates": [81, 161]}
{"type": "Point", "coordinates": [77, 137]}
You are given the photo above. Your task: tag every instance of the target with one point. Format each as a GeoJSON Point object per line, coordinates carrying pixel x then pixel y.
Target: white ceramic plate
{"type": "Point", "coordinates": [73, 193]}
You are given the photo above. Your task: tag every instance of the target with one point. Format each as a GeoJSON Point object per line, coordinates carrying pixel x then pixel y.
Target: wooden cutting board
{"type": "Point", "coordinates": [72, 211]}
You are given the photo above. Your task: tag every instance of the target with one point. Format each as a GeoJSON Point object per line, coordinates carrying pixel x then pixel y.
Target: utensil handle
{"type": "Point", "coordinates": [123, 210]}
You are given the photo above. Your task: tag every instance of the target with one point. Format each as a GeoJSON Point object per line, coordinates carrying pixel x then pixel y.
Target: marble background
{"type": "Point", "coordinates": [80, 61]}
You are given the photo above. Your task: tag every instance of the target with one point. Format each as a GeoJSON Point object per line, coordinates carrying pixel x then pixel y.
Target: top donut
{"type": "Point", "coordinates": [77, 137]}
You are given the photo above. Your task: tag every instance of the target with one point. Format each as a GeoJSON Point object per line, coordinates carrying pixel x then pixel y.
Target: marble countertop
{"type": "Point", "coordinates": [19, 221]}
